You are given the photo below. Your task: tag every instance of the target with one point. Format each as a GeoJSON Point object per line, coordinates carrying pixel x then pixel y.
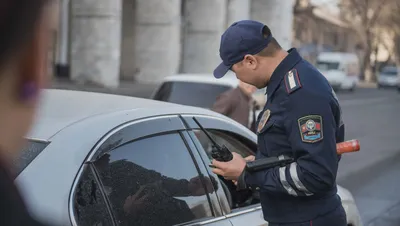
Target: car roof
{"type": "Point", "coordinates": [336, 56]}
{"type": "Point", "coordinates": [229, 80]}
{"type": "Point", "coordinates": [61, 108]}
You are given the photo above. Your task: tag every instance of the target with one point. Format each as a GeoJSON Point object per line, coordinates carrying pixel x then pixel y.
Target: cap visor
{"type": "Point", "coordinates": [221, 70]}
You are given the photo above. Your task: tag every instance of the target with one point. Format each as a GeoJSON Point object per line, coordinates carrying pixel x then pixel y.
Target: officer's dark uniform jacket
{"type": "Point", "coordinates": [301, 119]}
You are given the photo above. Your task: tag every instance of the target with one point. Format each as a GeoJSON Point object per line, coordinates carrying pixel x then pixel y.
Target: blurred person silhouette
{"type": "Point", "coordinates": [24, 41]}
{"type": "Point", "coordinates": [146, 197]}
{"type": "Point", "coordinates": [239, 105]}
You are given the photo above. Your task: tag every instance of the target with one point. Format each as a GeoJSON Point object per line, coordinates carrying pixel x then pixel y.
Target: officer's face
{"type": "Point", "coordinates": [249, 71]}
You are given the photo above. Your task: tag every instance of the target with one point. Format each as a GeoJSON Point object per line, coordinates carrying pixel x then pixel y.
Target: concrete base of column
{"type": "Point", "coordinates": [95, 42]}
{"type": "Point", "coordinates": [62, 71]}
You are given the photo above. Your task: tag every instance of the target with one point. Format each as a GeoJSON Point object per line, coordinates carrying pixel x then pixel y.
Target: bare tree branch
{"type": "Point", "coordinates": [376, 14]}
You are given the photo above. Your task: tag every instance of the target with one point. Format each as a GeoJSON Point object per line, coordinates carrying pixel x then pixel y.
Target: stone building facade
{"type": "Point", "coordinates": [106, 41]}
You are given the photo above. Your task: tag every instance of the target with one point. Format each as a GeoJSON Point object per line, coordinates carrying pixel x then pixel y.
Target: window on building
{"type": "Point", "coordinates": [154, 181]}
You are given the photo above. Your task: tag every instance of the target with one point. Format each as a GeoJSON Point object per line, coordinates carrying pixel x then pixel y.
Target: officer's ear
{"type": "Point", "coordinates": [250, 62]}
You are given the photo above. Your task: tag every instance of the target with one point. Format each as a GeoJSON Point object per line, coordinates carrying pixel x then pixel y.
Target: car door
{"type": "Point", "coordinates": [243, 207]}
{"type": "Point", "coordinates": [145, 173]}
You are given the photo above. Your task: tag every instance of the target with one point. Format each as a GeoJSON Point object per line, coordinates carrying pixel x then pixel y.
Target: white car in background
{"type": "Point", "coordinates": [199, 90]}
{"type": "Point", "coordinates": [388, 77]}
{"type": "Point", "coordinates": [342, 70]}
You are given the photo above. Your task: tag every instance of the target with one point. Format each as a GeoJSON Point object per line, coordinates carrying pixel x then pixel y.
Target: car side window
{"type": "Point", "coordinates": [153, 181]}
{"type": "Point", "coordinates": [240, 145]}
{"type": "Point", "coordinates": [230, 140]}
{"type": "Point", "coordinates": [90, 207]}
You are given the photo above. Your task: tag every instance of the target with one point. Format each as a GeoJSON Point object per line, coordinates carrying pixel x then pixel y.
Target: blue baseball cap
{"type": "Point", "coordinates": [241, 38]}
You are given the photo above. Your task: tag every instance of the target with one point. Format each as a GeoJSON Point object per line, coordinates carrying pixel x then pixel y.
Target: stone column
{"type": "Point", "coordinates": [204, 21]}
{"type": "Point", "coordinates": [156, 42]}
{"type": "Point", "coordinates": [278, 15]}
{"type": "Point", "coordinates": [238, 10]}
{"type": "Point", "coordinates": [96, 41]}
{"type": "Point", "coordinates": [127, 68]}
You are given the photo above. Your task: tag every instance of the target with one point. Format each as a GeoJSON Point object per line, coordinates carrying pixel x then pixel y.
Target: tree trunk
{"type": "Point", "coordinates": [366, 64]}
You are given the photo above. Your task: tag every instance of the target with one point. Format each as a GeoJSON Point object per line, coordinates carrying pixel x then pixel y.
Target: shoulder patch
{"type": "Point", "coordinates": [292, 81]}
{"type": "Point", "coordinates": [310, 127]}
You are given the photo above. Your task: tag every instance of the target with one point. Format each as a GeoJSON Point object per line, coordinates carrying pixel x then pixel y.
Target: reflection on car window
{"type": "Point", "coordinates": [89, 205]}
{"type": "Point", "coordinates": [30, 151]}
{"type": "Point", "coordinates": [153, 181]}
{"type": "Point", "coordinates": [188, 93]}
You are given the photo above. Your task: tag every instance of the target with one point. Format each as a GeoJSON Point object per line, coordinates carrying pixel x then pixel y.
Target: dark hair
{"type": "Point", "coordinates": [273, 47]}
{"type": "Point", "coordinates": [18, 19]}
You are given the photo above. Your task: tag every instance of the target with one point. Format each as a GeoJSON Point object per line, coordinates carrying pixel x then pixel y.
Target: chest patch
{"type": "Point", "coordinates": [292, 81]}
{"type": "Point", "coordinates": [310, 127]}
{"type": "Point", "coordinates": [263, 120]}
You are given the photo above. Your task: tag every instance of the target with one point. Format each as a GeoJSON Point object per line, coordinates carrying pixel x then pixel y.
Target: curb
{"type": "Point", "coordinates": [367, 85]}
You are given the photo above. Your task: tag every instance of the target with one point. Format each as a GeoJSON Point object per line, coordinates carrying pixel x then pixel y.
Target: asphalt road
{"type": "Point", "coordinates": [373, 174]}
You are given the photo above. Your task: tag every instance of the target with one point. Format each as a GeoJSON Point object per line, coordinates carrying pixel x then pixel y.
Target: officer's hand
{"type": "Point", "coordinates": [230, 170]}
{"type": "Point", "coordinates": [250, 158]}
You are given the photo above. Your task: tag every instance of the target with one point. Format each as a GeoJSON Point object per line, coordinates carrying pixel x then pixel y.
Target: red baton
{"type": "Point", "coordinates": [348, 146]}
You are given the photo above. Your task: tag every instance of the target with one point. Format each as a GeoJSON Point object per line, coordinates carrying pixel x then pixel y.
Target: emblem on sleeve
{"type": "Point", "coordinates": [311, 128]}
{"type": "Point", "coordinates": [263, 120]}
{"type": "Point", "coordinates": [292, 81]}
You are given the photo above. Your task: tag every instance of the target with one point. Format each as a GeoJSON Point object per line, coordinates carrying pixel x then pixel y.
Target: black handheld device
{"type": "Point", "coordinates": [219, 153]}
{"type": "Point", "coordinates": [266, 163]}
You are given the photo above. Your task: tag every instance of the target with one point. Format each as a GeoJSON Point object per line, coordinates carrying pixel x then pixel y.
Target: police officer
{"type": "Point", "coordinates": [301, 119]}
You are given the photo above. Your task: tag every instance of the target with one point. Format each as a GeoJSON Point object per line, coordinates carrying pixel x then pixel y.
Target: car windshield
{"type": "Point", "coordinates": [189, 93]}
{"type": "Point", "coordinates": [389, 71]}
{"type": "Point", "coordinates": [326, 66]}
{"type": "Point", "coordinates": [30, 151]}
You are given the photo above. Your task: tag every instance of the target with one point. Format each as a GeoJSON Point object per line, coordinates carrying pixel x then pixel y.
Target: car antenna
{"type": "Point", "coordinates": [221, 154]}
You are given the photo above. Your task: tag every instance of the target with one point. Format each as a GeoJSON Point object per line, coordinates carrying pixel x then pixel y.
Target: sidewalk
{"type": "Point", "coordinates": [125, 88]}
{"type": "Point", "coordinates": [363, 84]}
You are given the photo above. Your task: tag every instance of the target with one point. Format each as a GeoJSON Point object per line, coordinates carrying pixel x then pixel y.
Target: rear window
{"type": "Point", "coordinates": [192, 94]}
{"type": "Point", "coordinates": [389, 71]}
{"type": "Point", "coordinates": [325, 66]}
{"type": "Point", "coordinates": [30, 151]}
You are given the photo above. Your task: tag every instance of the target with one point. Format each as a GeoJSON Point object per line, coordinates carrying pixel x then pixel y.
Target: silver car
{"type": "Point", "coordinates": [388, 77]}
{"type": "Point", "coordinates": [100, 159]}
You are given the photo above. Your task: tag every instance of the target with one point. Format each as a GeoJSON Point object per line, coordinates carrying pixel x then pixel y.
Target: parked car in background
{"type": "Point", "coordinates": [342, 70]}
{"type": "Point", "coordinates": [116, 160]}
{"type": "Point", "coordinates": [199, 90]}
{"type": "Point", "coordinates": [388, 77]}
